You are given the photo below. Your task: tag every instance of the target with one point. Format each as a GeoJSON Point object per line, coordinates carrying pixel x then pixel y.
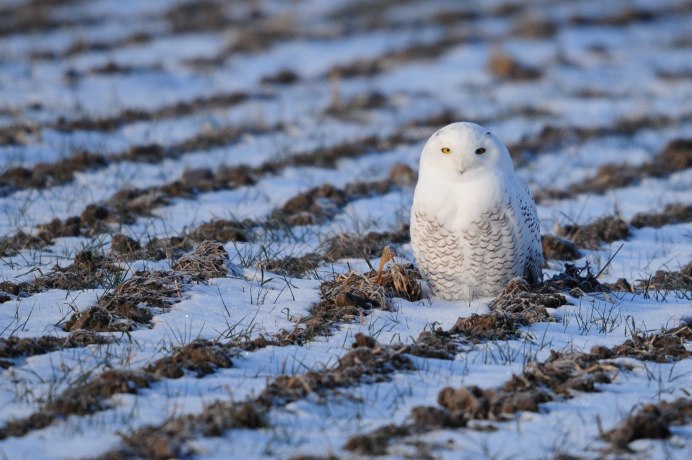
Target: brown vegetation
{"type": "Point", "coordinates": [603, 230]}
{"type": "Point", "coordinates": [352, 295]}
{"type": "Point", "coordinates": [651, 421]}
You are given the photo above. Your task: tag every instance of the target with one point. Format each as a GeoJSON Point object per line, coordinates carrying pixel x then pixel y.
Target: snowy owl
{"type": "Point", "coordinates": [474, 225]}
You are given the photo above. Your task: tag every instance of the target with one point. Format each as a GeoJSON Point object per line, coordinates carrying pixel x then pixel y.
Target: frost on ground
{"type": "Point", "coordinates": [197, 197]}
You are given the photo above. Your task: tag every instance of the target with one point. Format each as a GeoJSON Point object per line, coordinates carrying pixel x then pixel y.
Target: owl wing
{"type": "Point", "coordinates": [529, 231]}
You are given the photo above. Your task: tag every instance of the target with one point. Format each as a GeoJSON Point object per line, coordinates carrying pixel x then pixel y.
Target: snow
{"type": "Point", "coordinates": [618, 66]}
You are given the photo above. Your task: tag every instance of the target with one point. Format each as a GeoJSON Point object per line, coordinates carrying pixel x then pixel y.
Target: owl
{"type": "Point", "coordinates": [474, 224]}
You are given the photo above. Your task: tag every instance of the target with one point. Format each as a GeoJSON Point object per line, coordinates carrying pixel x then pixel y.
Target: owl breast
{"type": "Point", "coordinates": [476, 260]}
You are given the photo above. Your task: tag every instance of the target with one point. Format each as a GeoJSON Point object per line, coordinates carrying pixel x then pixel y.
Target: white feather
{"type": "Point", "coordinates": [473, 222]}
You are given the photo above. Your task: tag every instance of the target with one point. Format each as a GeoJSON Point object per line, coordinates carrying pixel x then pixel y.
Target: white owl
{"type": "Point", "coordinates": [474, 225]}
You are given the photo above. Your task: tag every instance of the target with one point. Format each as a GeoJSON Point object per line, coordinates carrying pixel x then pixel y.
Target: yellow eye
{"type": "Point", "coordinates": [445, 150]}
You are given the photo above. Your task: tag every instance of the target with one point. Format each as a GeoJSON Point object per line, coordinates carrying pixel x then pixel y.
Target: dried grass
{"type": "Point", "coordinates": [208, 260]}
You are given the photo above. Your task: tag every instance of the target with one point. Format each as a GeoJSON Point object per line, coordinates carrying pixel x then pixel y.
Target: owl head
{"type": "Point", "coordinates": [464, 148]}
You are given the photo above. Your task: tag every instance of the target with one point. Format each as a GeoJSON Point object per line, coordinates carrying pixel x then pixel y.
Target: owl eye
{"type": "Point", "coordinates": [445, 150]}
{"type": "Point", "coordinates": [480, 151]}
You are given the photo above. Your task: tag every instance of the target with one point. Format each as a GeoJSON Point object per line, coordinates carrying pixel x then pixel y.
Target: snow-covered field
{"type": "Point", "coordinates": [131, 132]}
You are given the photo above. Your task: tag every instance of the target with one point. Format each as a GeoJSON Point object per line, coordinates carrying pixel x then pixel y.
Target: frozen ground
{"type": "Point", "coordinates": [298, 125]}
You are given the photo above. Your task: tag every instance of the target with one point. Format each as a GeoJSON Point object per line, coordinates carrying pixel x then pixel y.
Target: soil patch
{"type": "Point", "coordinates": [315, 206]}
{"type": "Point", "coordinates": [18, 134]}
{"type": "Point", "coordinates": [534, 27]}
{"type": "Point", "coordinates": [575, 280]}
{"type": "Point", "coordinates": [436, 344]}
{"type": "Point", "coordinates": [11, 245]}
{"type": "Point", "coordinates": [348, 246]}
{"type": "Point", "coordinates": [507, 67]}
{"type": "Point", "coordinates": [671, 214]}
{"type": "Point", "coordinates": [592, 235]}
{"type": "Point", "coordinates": [35, 16]}
{"type": "Point", "coordinates": [661, 347]}
{"type": "Point", "coordinates": [124, 245]}
{"type": "Point", "coordinates": [130, 303]}
{"type": "Point", "coordinates": [556, 248]}
{"type": "Point", "coordinates": [43, 175]}
{"type": "Point", "coordinates": [676, 156]}
{"type": "Point", "coordinates": [375, 443]}
{"type": "Point", "coordinates": [369, 362]}
{"type": "Point", "coordinates": [519, 304]}
{"type": "Point", "coordinates": [174, 438]}
{"type": "Point", "coordinates": [15, 347]}
{"type": "Point", "coordinates": [352, 295]}
{"type": "Point", "coordinates": [178, 109]}
{"type": "Point", "coordinates": [171, 248]}
{"type": "Point", "coordinates": [223, 231]}
{"type": "Point", "coordinates": [201, 16]}
{"type": "Point", "coordinates": [282, 77]}
{"type": "Point", "coordinates": [669, 281]}
{"type": "Point", "coordinates": [492, 326]}
{"type": "Point", "coordinates": [88, 271]}
{"type": "Point", "coordinates": [652, 421]}
{"type": "Point", "coordinates": [199, 358]}
{"type": "Point", "coordinates": [294, 267]}
{"type": "Point", "coordinates": [558, 377]}
{"type": "Point", "coordinates": [208, 260]}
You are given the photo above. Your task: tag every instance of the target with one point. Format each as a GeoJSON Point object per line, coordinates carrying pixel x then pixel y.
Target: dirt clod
{"type": "Point", "coordinates": [669, 280]}
{"type": "Point", "coordinates": [14, 347]}
{"type": "Point", "coordinates": [661, 347]}
{"type": "Point", "coordinates": [88, 270]}
{"type": "Point", "coordinates": [493, 326]}
{"type": "Point", "coordinates": [311, 207]}
{"type": "Point", "coordinates": [200, 357]}
{"type": "Point", "coordinates": [556, 248]}
{"type": "Point", "coordinates": [56, 228]}
{"type": "Point", "coordinates": [352, 295]}
{"type": "Point", "coordinates": [652, 421]}
{"type": "Point", "coordinates": [92, 396]}
{"type": "Point", "coordinates": [575, 280]}
{"type": "Point", "coordinates": [375, 443]}
{"type": "Point", "coordinates": [370, 363]}
{"type": "Point", "coordinates": [282, 77]}
{"type": "Point", "coordinates": [671, 214]}
{"type": "Point", "coordinates": [93, 213]}
{"type": "Point", "coordinates": [124, 245]}
{"type": "Point", "coordinates": [223, 231]}
{"type": "Point", "coordinates": [519, 304]}
{"type": "Point", "coordinates": [167, 248]}
{"type": "Point", "coordinates": [507, 67]}
{"type": "Point", "coordinates": [130, 303]}
{"type": "Point", "coordinates": [518, 299]}
{"type": "Point", "coordinates": [208, 260]}
{"type": "Point", "coordinates": [345, 246]}
{"type": "Point", "coordinates": [403, 175]}
{"type": "Point", "coordinates": [603, 230]}
{"type": "Point", "coordinates": [294, 267]}
{"type": "Point", "coordinates": [173, 438]}
{"type": "Point", "coordinates": [44, 175]}
{"type": "Point", "coordinates": [11, 245]}
{"type": "Point", "coordinates": [435, 344]}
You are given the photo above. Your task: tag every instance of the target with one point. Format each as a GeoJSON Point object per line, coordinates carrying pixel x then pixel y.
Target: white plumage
{"type": "Point", "coordinates": [474, 225]}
